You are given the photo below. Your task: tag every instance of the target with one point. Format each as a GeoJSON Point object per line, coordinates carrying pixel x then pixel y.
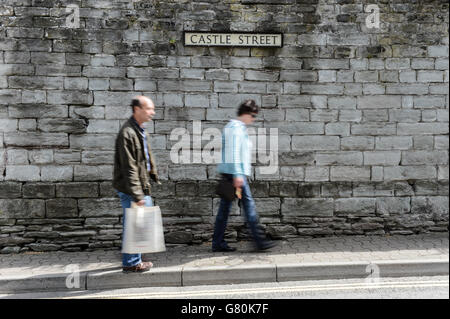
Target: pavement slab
{"type": "Point", "coordinates": [292, 259]}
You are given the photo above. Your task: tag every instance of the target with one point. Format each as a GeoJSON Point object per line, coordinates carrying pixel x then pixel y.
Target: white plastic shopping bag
{"type": "Point", "coordinates": [143, 231]}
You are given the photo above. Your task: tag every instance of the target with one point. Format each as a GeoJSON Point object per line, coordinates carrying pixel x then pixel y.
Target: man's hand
{"type": "Point", "coordinates": [238, 182]}
{"type": "Point", "coordinates": [141, 203]}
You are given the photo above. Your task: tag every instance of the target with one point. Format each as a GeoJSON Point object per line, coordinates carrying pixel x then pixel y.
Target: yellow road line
{"type": "Point", "coordinates": [274, 289]}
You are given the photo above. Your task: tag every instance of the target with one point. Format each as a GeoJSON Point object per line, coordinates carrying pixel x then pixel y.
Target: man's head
{"type": "Point", "coordinates": [143, 109]}
{"type": "Point", "coordinates": [247, 111]}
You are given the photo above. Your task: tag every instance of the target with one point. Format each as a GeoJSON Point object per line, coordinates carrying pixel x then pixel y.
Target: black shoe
{"type": "Point", "coordinates": [266, 245]}
{"type": "Point", "coordinates": [224, 249]}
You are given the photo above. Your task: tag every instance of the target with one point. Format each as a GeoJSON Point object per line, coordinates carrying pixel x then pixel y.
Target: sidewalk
{"type": "Point", "coordinates": [293, 259]}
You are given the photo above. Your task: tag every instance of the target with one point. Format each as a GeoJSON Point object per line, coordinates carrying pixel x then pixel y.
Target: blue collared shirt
{"type": "Point", "coordinates": [144, 136]}
{"type": "Point", "coordinates": [236, 150]}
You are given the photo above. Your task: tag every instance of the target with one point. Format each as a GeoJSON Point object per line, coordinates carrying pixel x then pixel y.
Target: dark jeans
{"type": "Point", "coordinates": [250, 214]}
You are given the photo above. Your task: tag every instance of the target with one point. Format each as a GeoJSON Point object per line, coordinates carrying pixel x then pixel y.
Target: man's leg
{"type": "Point", "coordinates": [250, 214]}
{"type": "Point", "coordinates": [221, 224]}
{"type": "Point", "coordinates": [128, 260]}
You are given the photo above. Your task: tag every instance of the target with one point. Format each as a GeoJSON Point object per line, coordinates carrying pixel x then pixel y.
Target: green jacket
{"type": "Point", "coordinates": [130, 167]}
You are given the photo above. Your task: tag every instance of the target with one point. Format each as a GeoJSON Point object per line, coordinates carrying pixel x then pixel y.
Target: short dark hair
{"type": "Point", "coordinates": [135, 102]}
{"type": "Point", "coordinates": [248, 107]}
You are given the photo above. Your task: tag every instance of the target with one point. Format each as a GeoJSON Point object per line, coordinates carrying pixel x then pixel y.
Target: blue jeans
{"type": "Point", "coordinates": [250, 214]}
{"type": "Point", "coordinates": [129, 260]}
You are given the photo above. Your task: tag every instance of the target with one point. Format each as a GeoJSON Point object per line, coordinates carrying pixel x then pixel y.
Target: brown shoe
{"type": "Point", "coordinates": [142, 267]}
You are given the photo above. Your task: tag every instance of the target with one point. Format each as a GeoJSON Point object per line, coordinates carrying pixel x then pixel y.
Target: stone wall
{"type": "Point", "coordinates": [362, 115]}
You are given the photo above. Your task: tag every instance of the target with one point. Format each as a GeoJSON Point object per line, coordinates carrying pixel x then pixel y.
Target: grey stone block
{"type": "Point", "coordinates": [10, 190]}
{"type": "Point", "coordinates": [315, 143]}
{"type": "Point", "coordinates": [106, 72]}
{"type": "Point", "coordinates": [186, 206]}
{"type": "Point", "coordinates": [234, 100]}
{"type": "Point", "coordinates": [422, 129]}
{"type": "Point", "coordinates": [435, 51]}
{"type": "Point", "coordinates": [38, 283]}
{"type": "Point", "coordinates": [292, 173]}
{"type": "Point", "coordinates": [349, 173]}
{"type": "Point", "coordinates": [67, 156]}
{"type": "Point", "coordinates": [350, 115]}
{"type": "Point", "coordinates": [92, 173]}
{"type": "Point", "coordinates": [103, 207]}
{"type": "Point", "coordinates": [37, 111]}
{"type": "Point", "coordinates": [216, 275]}
{"type": "Point", "coordinates": [115, 279]}
{"type": "Point", "coordinates": [295, 101]}
{"type": "Point", "coordinates": [70, 97]}
{"type": "Point", "coordinates": [61, 208]}
{"type": "Point", "coordinates": [16, 69]}
{"type": "Point", "coordinates": [27, 125]}
{"type": "Point", "coordinates": [393, 142]}
{"type": "Point", "coordinates": [403, 268]}
{"type": "Point", "coordinates": [241, 62]}
{"type": "Point", "coordinates": [322, 89]}
{"type": "Point", "coordinates": [98, 84]}
{"type": "Point", "coordinates": [326, 64]}
{"type": "Point", "coordinates": [321, 271]}
{"type": "Point", "coordinates": [38, 190]}
{"type": "Point", "coordinates": [93, 112]}
{"type": "Point", "coordinates": [62, 125]}
{"type": "Point", "coordinates": [58, 70]}
{"type": "Point", "coordinates": [22, 208]}
{"type": "Point", "coordinates": [295, 207]}
{"type": "Point", "coordinates": [373, 129]}
{"type": "Point", "coordinates": [17, 157]}
{"type": "Point", "coordinates": [355, 206]}
{"type": "Point", "coordinates": [378, 101]}
{"type": "Point", "coordinates": [430, 76]}
{"type": "Point", "coordinates": [103, 126]}
{"type": "Point", "coordinates": [92, 141]}
{"type": "Point", "coordinates": [382, 158]}
{"type": "Point", "coordinates": [405, 89]}
{"type": "Point", "coordinates": [301, 76]}
{"type": "Point", "coordinates": [366, 76]}
{"type": "Point", "coordinates": [97, 157]}
{"type": "Point", "coordinates": [22, 173]}
{"type": "Point", "coordinates": [77, 190]}
{"type": "Point", "coordinates": [205, 62]}
{"type": "Point", "coordinates": [56, 173]}
{"type": "Point", "coordinates": [184, 114]}
{"type": "Point", "coordinates": [341, 129]}
{"type": "Point", "coordinates": [45, 57]}
{"type": "Point", "coordinates": [398, 173]}
{"type": "Point", "coordinates": [441, 142]}
{"type": "Point", "coordinates": [424, 157]}
{"type": "Point", "coordinates": [317, 173]}
{"type": "Point", "coordinates": [342, 158]}
{"type": "Point", "coordinates": [35, 82]}
{"type": "Point", "coordinates": [393, 205]}
{"type": "Point", "coordinates": [327, 76]}
{"type": "Point", "coordinates": [323, 115]}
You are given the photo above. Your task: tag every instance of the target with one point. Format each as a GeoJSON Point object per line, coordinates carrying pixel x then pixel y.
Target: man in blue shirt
{"type": "Point", "coordinates": [235, 166]}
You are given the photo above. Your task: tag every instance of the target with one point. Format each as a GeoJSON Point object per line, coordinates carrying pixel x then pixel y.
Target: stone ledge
{"type": "Point", "coordinates": [213, 275]}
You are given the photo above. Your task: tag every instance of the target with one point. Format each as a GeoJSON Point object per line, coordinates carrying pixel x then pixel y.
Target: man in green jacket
{"type": "Point", "coordinates": [134, 166]}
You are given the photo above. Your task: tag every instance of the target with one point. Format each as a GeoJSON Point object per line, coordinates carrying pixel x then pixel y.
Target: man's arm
{"type": "Point", "coordinates": [129, 165]}
{"type": "Point", "coordinates": [233, 147]}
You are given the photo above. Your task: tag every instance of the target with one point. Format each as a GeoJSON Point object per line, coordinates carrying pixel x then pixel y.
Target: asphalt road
{"type": "Point", "coordinates": [436, 287]}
